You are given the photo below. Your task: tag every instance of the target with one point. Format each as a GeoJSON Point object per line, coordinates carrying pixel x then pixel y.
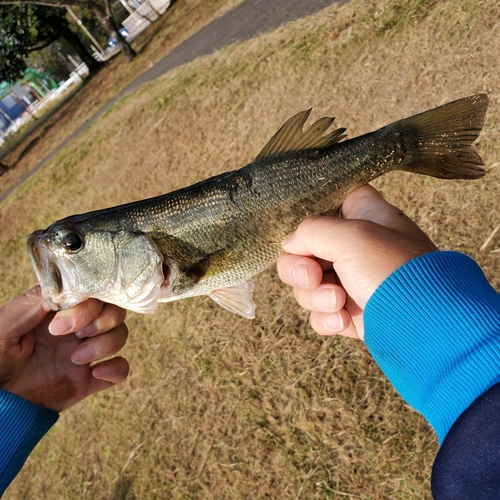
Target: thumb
{"type": "Point", "coordinates": [22, 314]}
{"type": "Point", "coordinates": [317, 236]}
{"type": "Point", "coordinates": [366, 203]}
{"type": "Point", "coordinates": [320, 237]}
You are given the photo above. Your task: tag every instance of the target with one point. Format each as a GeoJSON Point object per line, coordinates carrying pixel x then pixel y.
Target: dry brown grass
{"type": "Point", "coordinates": [221, 407]}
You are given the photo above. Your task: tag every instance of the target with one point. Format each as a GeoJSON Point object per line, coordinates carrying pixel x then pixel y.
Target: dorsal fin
{"type": "Point", "coordinates": [291, 137]}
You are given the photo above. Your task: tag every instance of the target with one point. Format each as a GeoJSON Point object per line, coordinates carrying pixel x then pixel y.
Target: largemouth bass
{"type": "Point", "coordinates": [211, 238]}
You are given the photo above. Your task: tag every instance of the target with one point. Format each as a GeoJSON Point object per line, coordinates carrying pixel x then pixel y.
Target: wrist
{"type": "Point", "coordinates": [23, 424]}
{"type": "Point", "coordinates": [432, 327]}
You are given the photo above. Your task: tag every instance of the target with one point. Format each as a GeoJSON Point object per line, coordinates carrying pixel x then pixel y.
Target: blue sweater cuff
{"type": "Point", "coordinates": [22, 426]}
{"type": "Point", "coordinates": [433, 327]}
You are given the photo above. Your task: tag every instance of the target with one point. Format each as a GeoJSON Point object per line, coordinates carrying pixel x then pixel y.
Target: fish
{"type": "Point", "coordinates": [213, 237]}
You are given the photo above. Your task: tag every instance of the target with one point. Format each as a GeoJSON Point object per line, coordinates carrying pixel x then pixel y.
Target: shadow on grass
{"type": "Point", "coordinates": [5, 168]}
{"type": "Point", "coordinates": [123, 489]}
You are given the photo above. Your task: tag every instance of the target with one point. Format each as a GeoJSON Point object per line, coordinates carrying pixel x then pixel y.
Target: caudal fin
{"type": "Point", "coordinates": [439, 141]}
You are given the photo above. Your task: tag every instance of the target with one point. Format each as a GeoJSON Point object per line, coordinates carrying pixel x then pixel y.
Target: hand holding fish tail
{"type": "Point", "coordinates": [335, 265]}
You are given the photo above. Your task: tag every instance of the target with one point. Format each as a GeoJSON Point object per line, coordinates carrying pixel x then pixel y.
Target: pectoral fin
{"type": "Point", "coordinates": [237, 299]}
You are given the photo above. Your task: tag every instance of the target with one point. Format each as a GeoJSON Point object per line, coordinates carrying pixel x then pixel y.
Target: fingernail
{"type": "Point", "coordinates": [299, 274]}
{"type": "Point", "coordinates": [334, 323]}
{"type": "Point", "coordinates": [325, 298]}
{"type": "Point", "coordinates": [88, 331]}
{"type": "Point", "coordinates": [102, 372]}
{"type": "Point", "coordinates": [61, 325]}
{"type": "Point", "coordinates": [83, 355]}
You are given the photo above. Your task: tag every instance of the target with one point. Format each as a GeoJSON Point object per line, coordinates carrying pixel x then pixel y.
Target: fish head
{"type": "Point", "coordinates": [74, 263]}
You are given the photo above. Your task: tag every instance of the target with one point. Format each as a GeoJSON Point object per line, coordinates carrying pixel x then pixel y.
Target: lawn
{"type": "Point", "coordinates": [216, 406]}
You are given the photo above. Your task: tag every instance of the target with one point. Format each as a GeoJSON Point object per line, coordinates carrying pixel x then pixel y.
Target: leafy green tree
{"type": "Point", "coordinates": [25, 28]}
{"type": "Point", "coordinates": [53, 60]}
{"type": "Point", "coordinates": [102, 12]}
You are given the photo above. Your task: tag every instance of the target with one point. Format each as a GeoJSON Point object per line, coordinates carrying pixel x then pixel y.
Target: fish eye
{"type": "Point", "coordinates": [72, 242]}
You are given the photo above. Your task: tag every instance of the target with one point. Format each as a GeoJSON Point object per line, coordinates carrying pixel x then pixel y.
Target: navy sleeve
{"type": "Point", "coordinates": [22, 425]}
{"type": "Point", "coordinates": [467, 465]}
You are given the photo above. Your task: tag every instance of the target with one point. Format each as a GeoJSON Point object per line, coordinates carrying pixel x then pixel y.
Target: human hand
{"type": "Point", "coordinates": [43, 358]}
{"type": "Point", "coordinates": [335, 264]}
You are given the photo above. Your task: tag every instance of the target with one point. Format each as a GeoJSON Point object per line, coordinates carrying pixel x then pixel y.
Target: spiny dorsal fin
{"type": "Point", "coordinates": [291, 137]}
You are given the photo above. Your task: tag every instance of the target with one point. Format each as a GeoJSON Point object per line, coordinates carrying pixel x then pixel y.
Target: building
{"type": "Point", "coordinates": [16, 97]}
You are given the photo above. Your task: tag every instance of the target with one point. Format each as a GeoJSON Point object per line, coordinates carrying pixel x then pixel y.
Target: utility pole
{"type": "Point", "coordinates": [85, 30]}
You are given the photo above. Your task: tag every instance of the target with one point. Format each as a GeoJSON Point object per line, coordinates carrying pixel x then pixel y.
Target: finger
{"type": "Point", "coordinates": [316, 236]}
{"type": "Point", "coordinates": [297, 270]}
{"type": "Point", "coordinates": [109, 317]}
{"type": "Point", "coordinates": [368, 204]}
{"type": "Point", "coordinates": [24, 313]}
{"type": "Point", "coordinates": [76, 318]}
{"type": "Point", "coordinates": [107, 374]}
{"type": "Point", "coordinates": [361, 201]}
{"type": "Point", "coordinates": [338, 323]}
{"type": "Point", "coordinates": [326, 298]}
{"type": "Point", "coordinates": [330, 237]}
{"type": "Point", "coordinates": [101, 346]}
{"type": "Point", "coordinates": [113, 370]}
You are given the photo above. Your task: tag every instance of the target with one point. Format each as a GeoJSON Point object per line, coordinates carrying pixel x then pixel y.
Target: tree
{"type": "Point", "coordinates": [103, 15]}
{"type": "Point", "coordinates": [53, 60]}
{"type": "Point", "coordinates": [26, 28]}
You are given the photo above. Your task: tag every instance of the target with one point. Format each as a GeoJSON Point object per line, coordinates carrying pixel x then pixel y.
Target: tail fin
{"type": "Point", "coordinates": [439, 141]}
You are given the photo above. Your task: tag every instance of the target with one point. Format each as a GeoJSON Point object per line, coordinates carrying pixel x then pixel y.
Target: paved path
{"type": "Point", "coordinates": [245, 21]}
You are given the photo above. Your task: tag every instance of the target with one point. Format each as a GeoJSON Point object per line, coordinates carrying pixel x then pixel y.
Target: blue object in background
{"type": "Point", "coordinates": [123, 32]}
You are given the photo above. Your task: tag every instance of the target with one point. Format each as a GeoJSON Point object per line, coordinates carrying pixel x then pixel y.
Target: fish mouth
{"type": "Point", "coordinates": [170, 271]}
{"type": "Point", "coordinates": [167, 274]}
{"type": "Point", "coordinates": [48, 273]}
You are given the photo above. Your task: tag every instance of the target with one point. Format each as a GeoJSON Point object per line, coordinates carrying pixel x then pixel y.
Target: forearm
{"type": "Point", "coordinates": [433, 327]}
{"type": "Point", "coordinates": [22, 425]}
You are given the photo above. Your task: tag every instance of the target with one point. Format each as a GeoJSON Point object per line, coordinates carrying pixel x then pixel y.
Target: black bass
{"type": "Point", "coordinates": [211, 238]}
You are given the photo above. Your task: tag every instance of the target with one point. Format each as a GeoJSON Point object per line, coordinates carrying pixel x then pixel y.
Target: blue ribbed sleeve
{"type": "Point", "coordinates": [22, 425]}
{"type": "Point", "coordinates": [433, 327]}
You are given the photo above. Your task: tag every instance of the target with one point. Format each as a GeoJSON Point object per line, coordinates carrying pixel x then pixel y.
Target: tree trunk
{"type": "Point", "coordinates": [110, 26]}
{"type": "Point", "coordinates": [3, 168]}
{"type": "Point", "coordinates": [80, 48]}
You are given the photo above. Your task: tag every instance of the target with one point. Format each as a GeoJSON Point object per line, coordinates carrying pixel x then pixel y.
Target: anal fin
{"type": "Point", "coordinates": [236, 299]}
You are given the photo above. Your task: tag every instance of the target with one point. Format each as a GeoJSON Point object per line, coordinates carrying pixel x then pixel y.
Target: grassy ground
{"type": "Point", "coordinates": [221, 407]}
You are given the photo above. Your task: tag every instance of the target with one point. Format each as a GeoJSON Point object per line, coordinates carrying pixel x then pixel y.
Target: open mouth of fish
{"type": "Point", "coordinates": [167, 274]}
{"type": "Point", "coordinates": [55, 285]}
{"type": "Point", "coordinates": [62, 288]}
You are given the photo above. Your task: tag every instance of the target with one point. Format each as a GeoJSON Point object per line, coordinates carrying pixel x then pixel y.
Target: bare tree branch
{"type": "Point", "coordinates": [56, 3]}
